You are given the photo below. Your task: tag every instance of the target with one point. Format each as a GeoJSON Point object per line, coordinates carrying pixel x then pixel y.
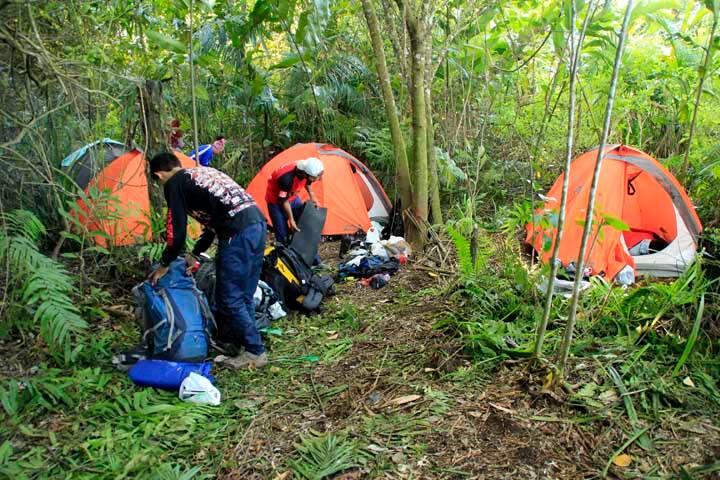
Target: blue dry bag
{"type": "Point", "coordinates": [177, 317]}
{"type": "Point", "coordinates": [166, 375]}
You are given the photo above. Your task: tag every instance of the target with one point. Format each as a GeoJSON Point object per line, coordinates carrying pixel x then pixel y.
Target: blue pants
{"type": "Point", "coordinates": [280, 221]}
{"type": "Point", "coordinates": [238, 266]}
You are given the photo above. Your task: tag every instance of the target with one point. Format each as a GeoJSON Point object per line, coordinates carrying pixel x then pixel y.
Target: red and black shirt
{"type": "Point", "coordinates": [285, 183]}
{"type": "Point", "coordinates": [212, 198]}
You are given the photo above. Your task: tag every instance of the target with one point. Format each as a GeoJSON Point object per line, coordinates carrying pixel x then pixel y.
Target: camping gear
{"type": "Point", "coordinates": [107, 165]}
{"type": "Point", "coordinates": [395, 225]}
{"type": "Point", "coordinates": [367, 266]}
{"type": "Point", "coordinates": [635, 188]}
{"type": "Point", "coordinates": [176, 316]}
{"type": "Point", "coordinates": [125, 360]}
{"type": "Point", "coordinates": [293, 280]}
{"type": "Point", "coordinates": [198, 389]}
{"type": "Point", "coordinates": [377, 281]}
{"type": "Point", "coordinates": [166, 374]}
{"type": "Point", "coordinates": [268, 306]}
{"type": "Point", "coordinates": [347, 188]}
{"type": "Point", "coordinates": [306, 241]}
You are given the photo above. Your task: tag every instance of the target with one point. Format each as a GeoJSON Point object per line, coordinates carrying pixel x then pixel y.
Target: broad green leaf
{"type": "Point", "coordinates": [201, 92]}
{"type": "Point", "coordinates": [615, 223]}
{"type": "Point", "coordinates": [288, 61]}
{"type": "Point", "coordinates": [166, 42]}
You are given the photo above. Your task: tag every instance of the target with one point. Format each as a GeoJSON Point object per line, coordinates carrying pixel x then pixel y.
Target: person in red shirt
{"type": "Point", "coordinates": [176, 135]}
{"type": "Point", "coordinates": [284, 206]}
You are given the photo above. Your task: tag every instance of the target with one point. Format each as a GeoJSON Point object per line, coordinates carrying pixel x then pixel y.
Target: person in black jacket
{"type": "Point", "coordinates": [229, 213]}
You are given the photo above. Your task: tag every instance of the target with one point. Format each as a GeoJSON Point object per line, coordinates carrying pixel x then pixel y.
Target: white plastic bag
{"type": "Point", "coordinates": [198, 389]}
{"type": "Point", "coordinates": [276, 311]}
{"type": "Point", "coordinates": [373, 235]}
{"type": "Point", "coordinates": [379, 250]}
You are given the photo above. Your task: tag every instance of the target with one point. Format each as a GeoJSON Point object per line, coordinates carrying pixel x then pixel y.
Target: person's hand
{"type": "Point", "coordinates": [192, 264]}
{"type": "Point", "coordinates": [158, 274]}
{"type": "Point", "coordinates": [293, 225]}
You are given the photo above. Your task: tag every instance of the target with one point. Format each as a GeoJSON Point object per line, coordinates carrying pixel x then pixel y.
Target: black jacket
{"type": "Point", "coordinates": [212, 198]}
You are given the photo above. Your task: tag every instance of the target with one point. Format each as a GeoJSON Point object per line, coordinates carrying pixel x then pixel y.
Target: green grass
{"type": "Point", "coordinates": [91, 422]}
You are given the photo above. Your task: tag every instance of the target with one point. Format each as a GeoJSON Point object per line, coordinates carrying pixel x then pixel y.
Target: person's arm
{"type": "Point", "coordinates": [204, 241]}
{"type": "Point", "coordinates": [313, 199]}
{"type": "Point", "coordinates": [176, 229]}
{"type": "Point", "coordinates": [287, 208]}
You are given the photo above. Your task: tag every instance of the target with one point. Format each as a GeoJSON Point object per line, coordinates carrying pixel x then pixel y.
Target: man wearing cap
{"type": "Point", "coordinates": [206, 152]}
{"type": "Point", "coordinates": [284, 206]}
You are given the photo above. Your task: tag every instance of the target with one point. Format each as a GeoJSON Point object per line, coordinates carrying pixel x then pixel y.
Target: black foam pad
{"type": "Point", "coordinates": [305, 242]}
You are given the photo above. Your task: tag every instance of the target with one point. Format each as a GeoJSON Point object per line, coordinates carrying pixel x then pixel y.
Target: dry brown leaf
{"type": "Point", "coordinates": [623, 460]}
{"type": "Point", "coordinates": [502, 409]}
{"type": "Point", "coordinates": [403, 400]}
{"type": "Point", "coordinates": [688, 381]}
{"type": "Point", "coordinates": [283, 476]}
{"type": "Point", "coordinates": [432, 274]}
{"type": "Point", "coordinates": [354, 475]}
{"type": "Point", "coordinates": [333, 336]}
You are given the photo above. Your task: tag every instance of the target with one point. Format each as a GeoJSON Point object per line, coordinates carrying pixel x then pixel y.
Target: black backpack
{"type": "Point", "coordinates": [205, 278]}
{"type": "Point", "coordinates": [298, 287]}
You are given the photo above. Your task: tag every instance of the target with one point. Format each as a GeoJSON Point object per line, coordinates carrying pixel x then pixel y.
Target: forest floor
{"type": "Point", "coordinates": [368, 389]}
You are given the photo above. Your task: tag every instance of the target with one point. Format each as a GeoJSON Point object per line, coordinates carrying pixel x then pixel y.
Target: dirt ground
{"type": "Point", "coordinates": [424, 410]}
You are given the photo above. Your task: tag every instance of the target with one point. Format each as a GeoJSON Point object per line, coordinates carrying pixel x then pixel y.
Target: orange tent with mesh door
{"type": "Point", "coordinates": [116, 202]}
{"type": "Point", "coordinates": [633, 187]}
{"type": "Point", "coordinates": [348, 189]}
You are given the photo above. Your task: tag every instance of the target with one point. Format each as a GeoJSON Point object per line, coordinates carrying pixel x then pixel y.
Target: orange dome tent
{"type": "Point", "coordinates": [107, 165]}
{"type": "Point", "coordinates": [635, 188]}
{"type": "Point", "coordinates": [348, 189]}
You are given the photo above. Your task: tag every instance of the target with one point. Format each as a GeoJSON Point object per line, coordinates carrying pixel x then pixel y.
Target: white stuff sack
{"type": "Point", "coordinates": [198, 389]}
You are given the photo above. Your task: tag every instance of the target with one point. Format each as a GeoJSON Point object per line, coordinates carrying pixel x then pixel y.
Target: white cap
{"type": "Point", "coordinates": [312, 166]}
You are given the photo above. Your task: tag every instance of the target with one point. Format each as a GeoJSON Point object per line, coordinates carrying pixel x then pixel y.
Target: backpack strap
{"type": "Point", "coordinates": [207, 313]}
{"type": "Point", "coordinates": [170, 317]}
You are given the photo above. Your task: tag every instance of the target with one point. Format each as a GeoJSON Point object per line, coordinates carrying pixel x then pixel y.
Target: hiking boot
{"type": "Point", "coordinates": [125, 360]}
{"type": "Point", "coordinates": [247, 360]}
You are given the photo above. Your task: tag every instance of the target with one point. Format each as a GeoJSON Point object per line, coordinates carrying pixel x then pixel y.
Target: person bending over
{"type": "Point", "coordinates": [284, 206]}
{"type": "Point", "coordinates": [229, 213]}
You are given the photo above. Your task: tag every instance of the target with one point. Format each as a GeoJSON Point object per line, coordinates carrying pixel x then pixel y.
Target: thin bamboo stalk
{"type": "Point", "coordinates": [580, 264]}
{"type": "Point", "coordinates": [574, 62]}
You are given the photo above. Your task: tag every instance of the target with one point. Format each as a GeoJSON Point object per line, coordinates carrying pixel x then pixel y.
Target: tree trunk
{"type": "Point", "coordinates": [698, 94]}
{"type": "Point", "coordinates": [151, 115]}
{"type": "Point", "coordinates": [402, 168]}
{"type": "Point", "coordinates": [580, 263]}
{"type": "Point", "coordinates": [435, 205]}
{"type": "Point", "coordinates": [418, 43]}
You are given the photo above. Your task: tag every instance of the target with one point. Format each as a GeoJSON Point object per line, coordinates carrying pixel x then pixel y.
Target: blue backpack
{"type": "Point", "coordinates": [177, 318]}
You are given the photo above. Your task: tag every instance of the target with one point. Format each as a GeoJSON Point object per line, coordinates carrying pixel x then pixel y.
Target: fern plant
{"type": "Point", "coordinates": [322, 456]}
{"type": "Point", "coordinates": [38, 287]}
{"type": "Point", "coordinates": [470, 267]}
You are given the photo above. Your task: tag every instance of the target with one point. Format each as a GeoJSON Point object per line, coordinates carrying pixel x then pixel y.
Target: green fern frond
{"type": "Point", "coordinates": [40, 283]}
{"type": "Point", "coordinates": [462, 247]}
{"type": "Point", "coordinates": [23, 223]}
